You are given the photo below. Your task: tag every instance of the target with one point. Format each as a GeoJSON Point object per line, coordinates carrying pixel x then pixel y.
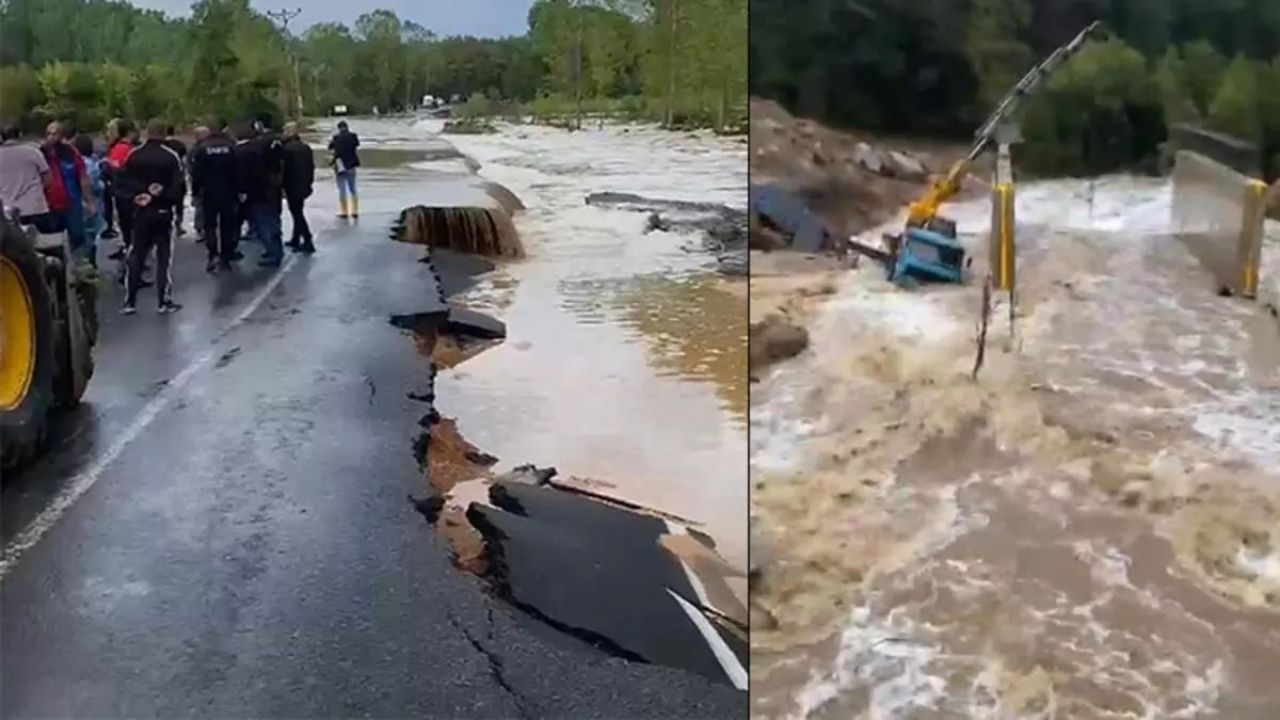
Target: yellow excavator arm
{"type": "Point", "coordinates": [920, 212]}
{"type": "Point", "coordinates": [940, 191]}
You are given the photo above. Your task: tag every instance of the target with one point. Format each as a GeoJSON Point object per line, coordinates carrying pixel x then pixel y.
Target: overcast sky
{"type": "Point", "coordinates": [482, 18]}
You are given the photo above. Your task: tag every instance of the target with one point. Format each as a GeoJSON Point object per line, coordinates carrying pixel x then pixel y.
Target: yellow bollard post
{"type": "Point", "coordinates": [1255, 210]}
{"type": "Point", "coordinates": [1003, 259]}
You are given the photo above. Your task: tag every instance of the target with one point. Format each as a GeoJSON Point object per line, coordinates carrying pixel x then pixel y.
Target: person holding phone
{"type": "Point", "coordinates": [345, 160]}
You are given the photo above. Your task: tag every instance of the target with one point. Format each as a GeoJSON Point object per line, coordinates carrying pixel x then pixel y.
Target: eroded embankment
{"type": "Point", "coordinates": [1089, 530]}
{"type": "Point", "coordinates": [632, 582]}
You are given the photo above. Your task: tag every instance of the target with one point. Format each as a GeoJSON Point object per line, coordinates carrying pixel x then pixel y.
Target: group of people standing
{"type": "Point", "coordinates": [238, 175]}
{"type": "Point", "coordinates": [245, 174]}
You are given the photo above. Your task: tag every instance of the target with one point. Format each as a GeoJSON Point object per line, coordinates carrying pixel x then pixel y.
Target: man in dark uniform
{"type": "Point", "coordinates": [151, 180]}
{"type": "Point", "coordinates": [215, 180]}
{"type": "Point", "coordinates": [175, 143]}
{"type": "Point", "coordinates": [299, 176]}
{"type": "Point", "coordinates": [260, 158]}
{"type": "Point", "coordinates": [202, 134]}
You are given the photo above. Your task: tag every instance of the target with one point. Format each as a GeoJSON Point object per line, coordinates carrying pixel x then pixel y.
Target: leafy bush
{"type": "Point", "coordinates": [477, 106]}
{"type": "Point", "coordinates": [21, 94]}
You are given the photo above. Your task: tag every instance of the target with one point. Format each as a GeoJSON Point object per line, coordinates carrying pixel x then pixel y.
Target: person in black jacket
{"type": "Point", "coordinates": [175, 143]}
{"type": "Point", "coordinates": [260, 159]}
{"type": "Point", "coordinates": [345, 160]}
{"type": "Point", "coordinates": [299, 176]}
{"type": "Point", "coordinates": [202, 134]}
{"type": "Point", "coordinates": [215, 181]}
{"type": "Point", "coordinates": [152, 181]}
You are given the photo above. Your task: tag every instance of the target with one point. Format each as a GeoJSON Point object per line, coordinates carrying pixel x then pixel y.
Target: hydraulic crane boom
{"type": "Point", "coordinates": [926, 208]}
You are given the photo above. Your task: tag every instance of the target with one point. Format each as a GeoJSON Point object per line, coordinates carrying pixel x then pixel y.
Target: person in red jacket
{"type": "Point", "coordinates": [69, 193]}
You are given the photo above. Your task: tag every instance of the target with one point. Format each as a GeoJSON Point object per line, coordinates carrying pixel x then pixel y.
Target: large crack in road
{"type": "Point", "coordinates": [242, 546]}
{"type": "Point", "coordinates": [591, 567]}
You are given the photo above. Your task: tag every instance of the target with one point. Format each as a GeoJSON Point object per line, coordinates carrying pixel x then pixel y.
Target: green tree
{"type": "Point", "coordinates": [381, 51]}
{"type": "Point", "coordinates": [1203, 67]}
{"type": "Point", "coordinates": [329, 53]}
{"type": "Point", "coordinates": [1235, 108]}
{"type": "Point", "coordinates": [68, 89]}
{"type": "Point", "coordinates": [553, 29]}
{"type": "Point", "coordinates": [1170, 77]}
{"type": "Point", "coordinates": [997, 54]}
{"type": "Point", "coordinates": [1269, 111]}
{"type": "Point", "coordinates": [19, 93]}
{"type": "Point", "coordinates": [116, 84]}
{"type": "Point", "coordinates": [215, 67]}
{"type": "Point", "coordinates": [1099, 112]}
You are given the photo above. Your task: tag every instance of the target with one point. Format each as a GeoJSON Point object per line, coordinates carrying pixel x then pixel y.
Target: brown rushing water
{"type": "Point", "coordinates": [625, 357]}
{"type": "Point", "coordinates": [1092, 530]}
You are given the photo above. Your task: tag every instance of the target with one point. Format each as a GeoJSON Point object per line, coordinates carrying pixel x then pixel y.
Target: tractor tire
{"type": "Point", "coordinates": [72, 341]}
{"type": "Point", "coordinates": [26, 307]}
{"type": "Point", "coordinates": [81, 355]}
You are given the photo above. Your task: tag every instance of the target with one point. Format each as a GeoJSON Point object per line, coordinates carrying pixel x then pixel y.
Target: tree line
{"type": "Point", "coordinates": [938, 68]}
{"type": "Point", "coordinates": [679, 61]}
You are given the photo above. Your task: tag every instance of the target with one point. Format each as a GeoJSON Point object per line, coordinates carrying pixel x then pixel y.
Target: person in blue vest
{"type": "Point", "coordinates": [95, 223]}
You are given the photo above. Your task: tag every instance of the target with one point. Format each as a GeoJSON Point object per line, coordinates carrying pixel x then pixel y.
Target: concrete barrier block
{"type": "Point", "coordinates": [1218, 213]}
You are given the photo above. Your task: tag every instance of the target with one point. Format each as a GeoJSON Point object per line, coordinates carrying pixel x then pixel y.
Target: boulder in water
{"type": "Point", "coordinates": [868, 158]}
{"type": "Point", "coordinates": [906, 166]}
{"type": "Point", "coordinates": [773, 340]}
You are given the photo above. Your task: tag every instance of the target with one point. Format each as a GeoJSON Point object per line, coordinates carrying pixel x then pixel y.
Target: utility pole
{"type": "Point", "coordinates": [283, 17]}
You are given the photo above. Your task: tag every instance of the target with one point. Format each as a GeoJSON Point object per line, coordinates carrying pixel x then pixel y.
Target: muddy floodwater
{"type": "Point", "coordinates": [624, 364]}
{"type": "Point", "coordinates": [1090, 530]}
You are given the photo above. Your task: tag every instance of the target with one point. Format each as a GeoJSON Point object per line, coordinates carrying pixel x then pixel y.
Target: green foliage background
{"type": "Point", "coordinates": [681, 61]}
{"type": "Point", "coordinates": [938, 66]}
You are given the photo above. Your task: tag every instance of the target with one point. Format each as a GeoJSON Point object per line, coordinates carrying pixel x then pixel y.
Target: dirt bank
{"type": "Point", "coordinates": [822, 168]}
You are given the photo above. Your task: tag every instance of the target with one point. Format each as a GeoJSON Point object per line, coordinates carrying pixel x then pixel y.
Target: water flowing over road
{"type": "Point", "coordinates": [223, 529]}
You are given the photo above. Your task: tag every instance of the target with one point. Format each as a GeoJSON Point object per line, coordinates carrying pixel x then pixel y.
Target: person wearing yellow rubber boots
{"type": "Point", "coordinates": [345, 160]}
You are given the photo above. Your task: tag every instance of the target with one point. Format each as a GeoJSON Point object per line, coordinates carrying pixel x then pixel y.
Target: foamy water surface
{"type": "Point", "coordinates": [1089, 531]}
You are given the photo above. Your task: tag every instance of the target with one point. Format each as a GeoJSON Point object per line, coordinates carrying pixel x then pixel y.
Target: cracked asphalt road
{"type": "Point", "coordinates": [243, 545]}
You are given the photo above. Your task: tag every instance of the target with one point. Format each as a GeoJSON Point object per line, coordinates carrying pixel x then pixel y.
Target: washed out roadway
{"type": "Point", "coordinates": [223, 528]}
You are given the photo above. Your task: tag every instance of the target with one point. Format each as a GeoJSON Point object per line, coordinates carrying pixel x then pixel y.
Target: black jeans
{"type": "Point", "coordinates": [301, 230]}
{"type": "Point", "coordinates": [125, 212]}
{"type": "Point", "coordinates": [152, 228]}
{"type": "Point", "coordinates": [108, 204]}
{"type": "Point", "coordinates": [221, 227]}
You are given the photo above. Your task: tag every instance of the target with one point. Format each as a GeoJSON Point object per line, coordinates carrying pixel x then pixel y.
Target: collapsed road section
{"type": "Point", "coordinates": [636, 583]}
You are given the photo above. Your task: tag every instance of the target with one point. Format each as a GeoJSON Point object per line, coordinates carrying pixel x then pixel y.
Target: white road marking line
{"type": "Point", "coordinates": [728, 661]}
{"type": "Point", "coordinates": [698, 589]}
{"type": "Point", "coordinates": [85, 479]}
